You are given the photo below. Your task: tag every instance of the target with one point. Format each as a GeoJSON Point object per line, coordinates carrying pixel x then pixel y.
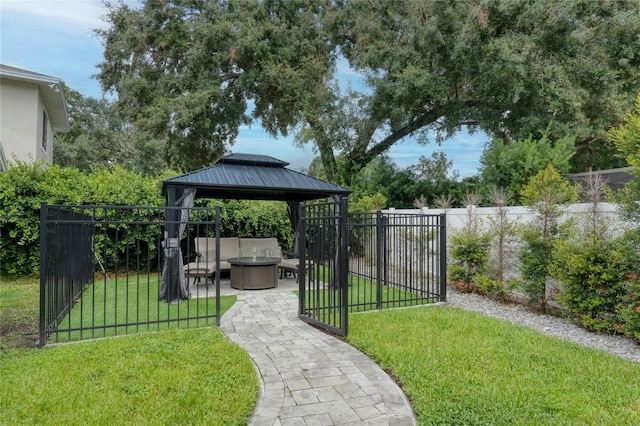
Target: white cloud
{"type": "Point", "coordinates": [77, 15]}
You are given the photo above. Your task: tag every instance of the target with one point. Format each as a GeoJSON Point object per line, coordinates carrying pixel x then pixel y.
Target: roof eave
{"type": "Point", "coordinates": [52, 94]}
{"type": "Point", "coordinates": [253, 193]}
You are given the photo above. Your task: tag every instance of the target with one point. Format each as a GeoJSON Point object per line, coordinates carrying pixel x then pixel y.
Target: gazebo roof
{"type": "Point", "coordinates": [254, 177]}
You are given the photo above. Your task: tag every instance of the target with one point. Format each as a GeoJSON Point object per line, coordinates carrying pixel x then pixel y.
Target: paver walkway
{"type": "Point", "coordinates": [306, 376]}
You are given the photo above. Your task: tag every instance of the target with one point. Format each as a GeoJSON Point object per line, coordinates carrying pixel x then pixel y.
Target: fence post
{"type": "Point", "coordinates": [217, 283]}
{"type": "Point", "coordinates": [302, 252]}
{"type": "Point", "coordinates": [43, 273]}
{"type": "Point", "coordinates": [380, 251]}
{"type": "Point", "coordinates": [344, 262]}
{"type": "Point", "coordinates": [443, 257]}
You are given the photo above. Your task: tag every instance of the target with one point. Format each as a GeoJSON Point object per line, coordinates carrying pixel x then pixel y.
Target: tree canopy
{"type": "Point", "coordinates": [510, 166]}
{"type": "Point", "coordinates": [193, 72]}
{"type": "Point", "coordinates": [508, 68]}
{"type": "Point", "coordinates": [99, 137]}
{"type": "Point", "coordinates": [422, 182]}
{"type": "Point", "coordinates": [627, 140]}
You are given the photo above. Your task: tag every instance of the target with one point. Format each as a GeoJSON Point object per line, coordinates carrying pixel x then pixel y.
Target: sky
{"type": "Point", "coordinates": [56, 38]}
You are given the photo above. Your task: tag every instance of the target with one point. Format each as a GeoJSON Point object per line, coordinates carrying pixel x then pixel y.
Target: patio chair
{"type": "Point", "coordinates": [289, 265]}
{"type": "Point", "coordinates": [205, 263]}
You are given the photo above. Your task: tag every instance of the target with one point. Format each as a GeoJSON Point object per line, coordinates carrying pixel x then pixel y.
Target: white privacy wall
{"type": "Point", "coordinates": [456, 218]}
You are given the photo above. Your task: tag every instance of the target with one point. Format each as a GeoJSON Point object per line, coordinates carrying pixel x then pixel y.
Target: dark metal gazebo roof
{"type": "Point", "coordinates": [254, 177]}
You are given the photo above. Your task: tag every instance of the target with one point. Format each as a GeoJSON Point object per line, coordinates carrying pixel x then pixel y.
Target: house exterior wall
{"type": "Point", "coordinates": [3, 159]}
{"type": "Point", "coordinates": [22, 113]}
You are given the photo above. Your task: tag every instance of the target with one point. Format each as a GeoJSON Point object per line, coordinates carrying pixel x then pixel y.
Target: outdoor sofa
{"type": "Point", "coordinates": [233, 247]}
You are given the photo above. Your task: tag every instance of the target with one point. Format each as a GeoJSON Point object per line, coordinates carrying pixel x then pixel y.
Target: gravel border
{"type": "Point", "coordinates": [621, 346]}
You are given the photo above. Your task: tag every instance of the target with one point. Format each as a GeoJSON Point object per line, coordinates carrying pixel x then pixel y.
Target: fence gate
{"type": "Point", "coordinates": [357, 262]}
{"type": "Point", "coordinates": [323, 253]}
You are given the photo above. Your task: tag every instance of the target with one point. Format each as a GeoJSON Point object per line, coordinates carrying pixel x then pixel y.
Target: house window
{"type": "Point", "coordinates": [45, 122]}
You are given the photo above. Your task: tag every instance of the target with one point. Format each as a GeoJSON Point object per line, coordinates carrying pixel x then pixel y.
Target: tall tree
{"type": "Point", "coordinates": [427, 180]}
{"type": "Point", "coordinates": [89, 141]}
{"type": "Point", "coordinates": [99, 137]}
{"type": "Point", "coordinates": [627, 140]}
{"type": "Point", "coordinates": [194, 71]}
{"type": "Point", "coordinates": [508, 68]}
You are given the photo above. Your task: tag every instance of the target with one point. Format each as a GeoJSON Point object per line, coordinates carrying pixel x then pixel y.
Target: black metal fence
{"type": "Point", "coordinates": [324, 297]}
{"type": "Point", "coordinates": [101, 267]}
{"type": "Point", "coordinates": [396, 260]}
{"type": "Point", "coordinates": [65, 253]}
{"type": "Point", "coordinates": [365, 261]}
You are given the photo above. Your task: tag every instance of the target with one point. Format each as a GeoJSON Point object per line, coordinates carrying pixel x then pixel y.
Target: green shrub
{"type": "Point", "coordinates": [598, 272]}
{"type": "Point", "coordinates": [367, 203]}
{"type": "Point", "coordinates": [591, 273]}
{"type": "Point", "coordinates": [626, 139]}
{"type": "Point", "coordinates": [503, 233]}
{"type": "Point", "coordinates": [535, 262]}
{"type": "Point", "coordinates": [119, 187]}
{"type": "Point", "coordinates": [496, 289]}
{"type": "Point", "coordinates": [544, 194]}
{"type": "Point", "coordinates": [629, 309]}
{"type": "Point", "coordinates": [22, 188]}
{"type": "Point", "coordinates": [470, 253]}
{"type": "Point", "coordinates": [254, 218]}
{"type": "Point", "coordinates": [24, 185]}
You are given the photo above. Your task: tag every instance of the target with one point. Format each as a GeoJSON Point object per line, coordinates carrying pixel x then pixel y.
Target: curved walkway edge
{"type": "Point", "coordinates": [308, 377]}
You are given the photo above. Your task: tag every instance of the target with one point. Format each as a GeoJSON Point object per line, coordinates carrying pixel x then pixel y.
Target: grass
{"type": "Point", "coordinates": [137, 302]}
{"type": "Point", "coordinates": [146, 378]}
{"type": "Point", "coordinates": [457, 367]}
{"type": "Point", "coordinates": [461, 368]}
{"type": "Point", "coordinates": [19, 310]}
{"type": "Point", "coordinates": [186, 376]}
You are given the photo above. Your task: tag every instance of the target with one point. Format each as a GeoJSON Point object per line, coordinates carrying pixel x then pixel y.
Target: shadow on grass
{"type": "Point", "coordinates": [19, 310]}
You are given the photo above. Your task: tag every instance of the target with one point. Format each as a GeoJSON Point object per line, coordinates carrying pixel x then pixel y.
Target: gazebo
{"type": "Point", "coordinates": [234, 176]}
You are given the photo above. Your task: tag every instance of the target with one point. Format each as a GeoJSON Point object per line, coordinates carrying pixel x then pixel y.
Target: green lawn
{"type": "Point", "coordinates": [178, 376]}
{"type": "Point", "coordinates": [461, 368]}
{"type": "Point", "coordinates": [457, 367]}
{"type": "Point", "coordinates": [137, 302]}
{"type": "Point", "coordinates": [19, 310]}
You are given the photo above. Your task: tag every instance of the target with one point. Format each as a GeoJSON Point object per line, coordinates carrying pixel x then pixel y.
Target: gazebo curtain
{"type": "Point", "coordinates": [173, 286]}
{"type": "Point", "coordinates": [293, 209]}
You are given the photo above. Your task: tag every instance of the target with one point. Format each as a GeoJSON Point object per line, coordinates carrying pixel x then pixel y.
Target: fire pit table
{"type": "Point", "coordinates": [254, 274]}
